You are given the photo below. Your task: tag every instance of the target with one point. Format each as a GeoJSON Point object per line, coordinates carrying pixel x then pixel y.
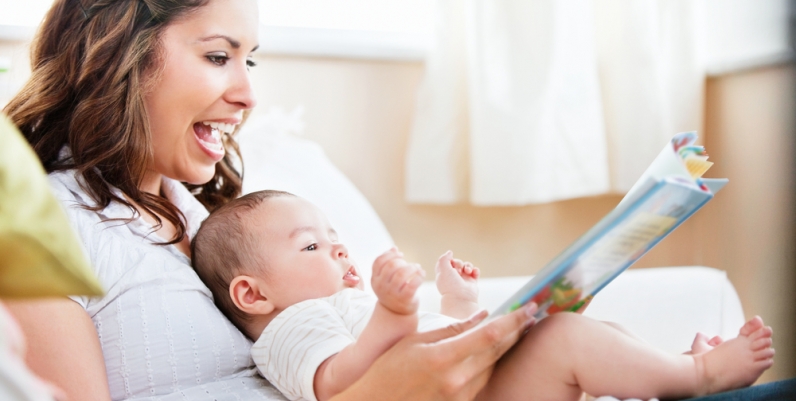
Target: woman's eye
{"type": "Point", "coordinates": [311, 247]}
{"type": "Point", "coordinates": [218, 59]}
{"type": "Point", "coordinates": [251, 63]}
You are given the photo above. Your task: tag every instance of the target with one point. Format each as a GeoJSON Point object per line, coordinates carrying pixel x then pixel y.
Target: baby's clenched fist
{"type": "Point", "coordinates": [395, 282]}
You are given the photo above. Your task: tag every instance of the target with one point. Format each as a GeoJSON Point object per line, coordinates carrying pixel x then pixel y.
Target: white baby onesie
{"type": "Point", "coordinates": [293, 346]}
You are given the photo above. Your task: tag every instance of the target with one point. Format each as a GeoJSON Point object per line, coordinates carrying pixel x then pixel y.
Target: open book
{"type": "Point", "coordinates": [667, 194]}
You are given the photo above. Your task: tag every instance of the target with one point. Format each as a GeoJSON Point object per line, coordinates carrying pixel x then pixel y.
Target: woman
{"type": "Point", "coordinates": [127, 99]}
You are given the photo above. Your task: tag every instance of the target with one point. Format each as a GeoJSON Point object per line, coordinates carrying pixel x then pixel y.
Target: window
{"type": "Point", "coordinates": [740, 33]}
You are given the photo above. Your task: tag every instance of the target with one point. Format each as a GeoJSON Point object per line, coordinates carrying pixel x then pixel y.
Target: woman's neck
{"type": "Point", "coordinates": [151, 183]}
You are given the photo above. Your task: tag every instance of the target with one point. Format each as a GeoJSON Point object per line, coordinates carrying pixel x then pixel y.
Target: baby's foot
{"type": "Point", "coordinates": [734, 363]}
{"type": "Point", "coordinates": [457, 278]}
{"type": "Point", "coordinates": [703, 344]}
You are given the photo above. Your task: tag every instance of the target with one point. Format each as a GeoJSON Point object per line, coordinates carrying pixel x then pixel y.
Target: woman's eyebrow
{"type": "Point", "coordinates": [232, 42]}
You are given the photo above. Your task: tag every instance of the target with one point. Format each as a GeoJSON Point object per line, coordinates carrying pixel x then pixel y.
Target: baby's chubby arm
{"type": "Point", "coordinates": [457, 283]}
{"type": "Point", "coordinates": [395, 282]}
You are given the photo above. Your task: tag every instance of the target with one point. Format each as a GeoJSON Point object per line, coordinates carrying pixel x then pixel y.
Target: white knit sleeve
{"type": "Point", "coordinates": [296, 342]}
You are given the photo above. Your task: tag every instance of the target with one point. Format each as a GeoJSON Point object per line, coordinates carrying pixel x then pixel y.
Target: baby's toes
{"type": "Point", "coordinates": [751, 326]}
{"type": "Point", "coordinates": [765, 364]}
{"type": "Point", "coordinates": [700, 344]}
{"type": "Point", "coordinates": [763, 332]}
{"type": "Point", "coordinates": [764, 354]}
{"type": "Point", "coordinates": [717, 340]}
{"type": "Point", "coordinates": [760, 343]}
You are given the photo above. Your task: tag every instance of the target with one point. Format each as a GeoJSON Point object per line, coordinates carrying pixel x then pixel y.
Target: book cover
{"type": "Point", "coordinates": [669, 192]}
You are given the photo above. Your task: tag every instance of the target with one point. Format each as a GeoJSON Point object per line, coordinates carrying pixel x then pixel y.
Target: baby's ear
{"type": "Point", "coordinates": [248, 295]}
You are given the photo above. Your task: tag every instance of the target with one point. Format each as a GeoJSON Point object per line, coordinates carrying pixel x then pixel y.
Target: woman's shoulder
{"type": "Point", "coordinates": [109, 235]}
{"type": "Point", "coordinates": [65, 185]}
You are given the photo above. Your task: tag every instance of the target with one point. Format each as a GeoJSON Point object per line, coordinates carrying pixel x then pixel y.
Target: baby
{"type": "Point", "coordinates": [277, 270]}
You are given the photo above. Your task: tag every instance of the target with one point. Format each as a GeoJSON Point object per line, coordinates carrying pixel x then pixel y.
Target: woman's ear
{"type": "Point", "coordinates": [248, 295]}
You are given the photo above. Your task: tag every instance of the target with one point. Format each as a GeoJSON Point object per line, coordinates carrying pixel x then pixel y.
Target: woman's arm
{"type": "Point", "coordinates": [63, 347]}
{"type": "Point", "coordinates": [442, 364]}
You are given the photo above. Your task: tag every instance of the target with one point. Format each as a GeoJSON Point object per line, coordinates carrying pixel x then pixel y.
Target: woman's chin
{"type": "Point", "coordinates": [200, 175]}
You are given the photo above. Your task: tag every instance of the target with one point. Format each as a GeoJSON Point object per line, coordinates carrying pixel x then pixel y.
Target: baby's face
{"type": "Point", "coordinates": [300, 249]}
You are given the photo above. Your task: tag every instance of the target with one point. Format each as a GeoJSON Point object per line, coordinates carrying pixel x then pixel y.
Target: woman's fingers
{"type": "Point", "coordinates": [466, 358]}
{"type": "Point", "coordinates": [451, 363]}
{"type": "Point", "coordinates": [486, 344]}
{"type": "Point", "coordinates": [452, 330]}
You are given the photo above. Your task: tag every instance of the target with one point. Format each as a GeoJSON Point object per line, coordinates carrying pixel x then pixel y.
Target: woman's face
{"type": "Point", "coordinates": [203, 88]}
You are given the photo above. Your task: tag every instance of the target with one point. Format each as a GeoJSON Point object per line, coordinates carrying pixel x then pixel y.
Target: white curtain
{"type": "Point", "coordinates": [536, 101]}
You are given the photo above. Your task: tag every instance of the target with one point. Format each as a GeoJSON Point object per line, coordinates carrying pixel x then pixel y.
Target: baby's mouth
{"type": "Point", "coordinates": [351, 278]}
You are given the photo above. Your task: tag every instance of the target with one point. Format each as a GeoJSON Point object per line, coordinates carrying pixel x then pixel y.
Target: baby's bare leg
{"type": "Point", "coordinates": [567, 354]}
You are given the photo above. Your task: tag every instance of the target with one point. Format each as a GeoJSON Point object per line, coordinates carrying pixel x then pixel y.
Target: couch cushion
{"type": "Point", "coordinates": [665, 306]}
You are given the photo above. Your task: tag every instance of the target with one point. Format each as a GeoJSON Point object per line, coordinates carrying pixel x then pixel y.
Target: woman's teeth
{"type": "Point", "coordinates": [223, 127]}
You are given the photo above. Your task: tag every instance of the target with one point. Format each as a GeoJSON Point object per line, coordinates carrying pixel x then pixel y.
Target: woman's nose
{"type": "Point", "coordinates": [241, 91]}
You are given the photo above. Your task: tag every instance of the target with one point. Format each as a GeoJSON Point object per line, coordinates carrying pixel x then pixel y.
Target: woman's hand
{"type": "Point", "coordinates": [445, 364]}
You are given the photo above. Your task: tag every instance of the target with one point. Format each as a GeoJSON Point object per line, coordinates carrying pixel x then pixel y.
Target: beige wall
{"type": "Point", "coordinates": [361, 112]}
{"type": "Point", "coordinates": [749, 232]}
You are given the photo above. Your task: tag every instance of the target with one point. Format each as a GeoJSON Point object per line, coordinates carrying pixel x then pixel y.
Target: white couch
{"type": "Point", "coordinates": [665, 306]}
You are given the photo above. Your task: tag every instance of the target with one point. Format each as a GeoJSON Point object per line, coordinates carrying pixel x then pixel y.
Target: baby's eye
{"type": "Point", "coordinates": [311, 247]}
{"type": "Point", "coordinates": [218, 59]}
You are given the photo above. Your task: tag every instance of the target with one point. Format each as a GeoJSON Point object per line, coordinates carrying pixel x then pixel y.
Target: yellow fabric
{"type": "Point", "coordinates": [39, 252]}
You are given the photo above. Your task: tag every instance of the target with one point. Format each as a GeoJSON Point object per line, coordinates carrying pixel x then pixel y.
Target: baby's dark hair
{"type": "Point", "coordinates": [223, 249]}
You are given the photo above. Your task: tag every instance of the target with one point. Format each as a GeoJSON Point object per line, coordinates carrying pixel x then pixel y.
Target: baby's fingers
{"type": "Point", "coordinates": [407, 274]}
{"type": "Point", "coordinates": [384, 259]}
{"type": "Point", "coordinates": [444, 261]}
{"type": "Point", "coordinates": [412, 284]}
{"type": "Point", "coordinates": [467, 268]}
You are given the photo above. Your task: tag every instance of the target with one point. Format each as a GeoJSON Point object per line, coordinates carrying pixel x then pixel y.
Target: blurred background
{"type": "Point", "coordinates": [503, 130]}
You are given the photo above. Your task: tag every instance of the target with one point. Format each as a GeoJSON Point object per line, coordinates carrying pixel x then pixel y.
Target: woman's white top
{"type": "Point", "coordinates": [161, 335]}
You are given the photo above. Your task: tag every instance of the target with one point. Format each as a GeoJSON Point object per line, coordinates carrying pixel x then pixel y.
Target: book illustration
{"type": "Point", "coordinates": [666, 195]}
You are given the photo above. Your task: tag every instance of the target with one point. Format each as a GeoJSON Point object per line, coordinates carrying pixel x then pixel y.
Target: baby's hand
{"type": "Point", "coordinates": [457, 279]}
{"type": "Point", "coordinates": [395, 282]}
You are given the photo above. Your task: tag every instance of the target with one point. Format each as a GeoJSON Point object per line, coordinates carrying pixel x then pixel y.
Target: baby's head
{"type": "Point", "coordinates": [266, 251]}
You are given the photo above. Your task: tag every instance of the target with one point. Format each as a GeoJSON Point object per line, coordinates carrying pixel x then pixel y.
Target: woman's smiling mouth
{"type": "Point", "coordinates": [208, 135]}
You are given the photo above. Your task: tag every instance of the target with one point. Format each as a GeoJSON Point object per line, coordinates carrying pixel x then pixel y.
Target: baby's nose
{"type": "Point", "coordinates": [341, 251]}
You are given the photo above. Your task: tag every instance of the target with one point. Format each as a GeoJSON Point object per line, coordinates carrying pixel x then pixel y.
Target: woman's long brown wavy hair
{"type": "Point", "coordinates": [92, 63]}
